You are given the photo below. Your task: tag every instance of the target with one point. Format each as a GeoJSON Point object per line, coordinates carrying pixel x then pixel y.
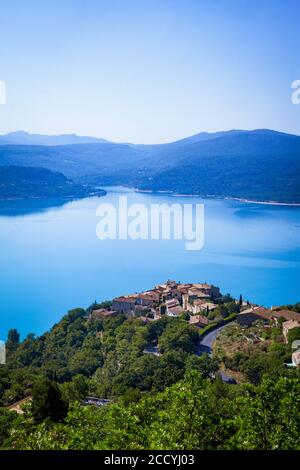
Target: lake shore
{"type": "Point", "coordinates": [66, 197]}
{"type": "Point", "coordinates": [243, 200]}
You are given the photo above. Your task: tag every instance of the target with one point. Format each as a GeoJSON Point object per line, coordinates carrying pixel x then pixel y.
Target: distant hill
{"type": "Point", "coordinates": [28, 182]}
{"type": "Point", "coordinates": [75, 161]}
{"type": "Point", "coordinates": [24, 138]}
{"type": "Point", "coordinates": [262, 164]}
{"type": "Point", "coordinates": [259, 165]}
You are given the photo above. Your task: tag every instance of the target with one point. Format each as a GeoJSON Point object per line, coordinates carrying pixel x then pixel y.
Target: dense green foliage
{"type": "Point", "coordinates": [193, 414]}
{"type": "Point", "coordinates": [256, 365]}
{"type": "Point", "coordinates": [171, 400]}
{"type": "Point", "coordinates": [108, 353]}
{"type": "Point", "coordinates": [47, 401]}
{"type": "Point", "coordinates": [254, 351]}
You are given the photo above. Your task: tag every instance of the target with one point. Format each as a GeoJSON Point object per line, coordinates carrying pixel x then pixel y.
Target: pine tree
{"type": "Point", "coordinates": [47, 401]}
{"type": "Point", "coordinates": [13, 340]}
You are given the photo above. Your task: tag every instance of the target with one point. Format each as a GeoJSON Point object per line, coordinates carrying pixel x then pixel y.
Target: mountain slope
{"type": "Point", "coordinates": [261, 164]}
{"type": "Point", "coordinates": [28, 182]}
{"type": "Point", "coordinates": [233, 143]}
{"type": "Point", "coordinates": [252, 178]}
{"type": "Point", "coordinates": [75, 161]}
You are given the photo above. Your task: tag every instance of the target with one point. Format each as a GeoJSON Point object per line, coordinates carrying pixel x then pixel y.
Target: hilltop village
{"type": "Point", "coordinates": [171, 299]}
{"type": "Point", "coordinates": [202, 305]}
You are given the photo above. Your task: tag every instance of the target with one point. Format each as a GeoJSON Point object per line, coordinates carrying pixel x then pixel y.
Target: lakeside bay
{"type": "Point", "coordinates": [52, 260]}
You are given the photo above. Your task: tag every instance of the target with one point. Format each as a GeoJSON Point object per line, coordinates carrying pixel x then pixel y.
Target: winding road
{"type": "Point", "coordinates": [205, 346]}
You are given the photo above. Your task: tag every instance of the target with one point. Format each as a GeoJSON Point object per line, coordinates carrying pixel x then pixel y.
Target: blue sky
{"type": "Point", "coordinates": [149, 71]}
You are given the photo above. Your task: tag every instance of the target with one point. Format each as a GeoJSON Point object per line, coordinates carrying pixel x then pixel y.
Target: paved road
{"type": "Point", "coordinates": [205, 346]}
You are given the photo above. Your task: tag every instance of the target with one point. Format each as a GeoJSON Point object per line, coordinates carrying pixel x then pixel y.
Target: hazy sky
{"type": "Point", "coordinates": [149, 70]}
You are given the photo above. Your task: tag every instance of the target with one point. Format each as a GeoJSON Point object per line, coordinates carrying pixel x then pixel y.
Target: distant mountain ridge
{"type": "Point", "coordinates": [24, 138]}
{"type": "Point", "coordinates": [262, 164]}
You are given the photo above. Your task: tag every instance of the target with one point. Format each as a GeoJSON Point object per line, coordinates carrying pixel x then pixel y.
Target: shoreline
{"type": "Point", "coordinates": [49, 198]}
{"type": "Point", "coordinates": [102, 192]}
{"type": "Point", "coordinates": [226, 198]}
{"type": "Point", "coordinates": [269, 203]}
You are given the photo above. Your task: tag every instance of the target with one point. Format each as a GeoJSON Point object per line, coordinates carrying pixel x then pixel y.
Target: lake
{"type": "Point", "coordinates": [52, 261]}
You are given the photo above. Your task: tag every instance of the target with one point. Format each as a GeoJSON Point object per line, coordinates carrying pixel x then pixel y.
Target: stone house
{"type": "Point", "coordinates": [124, 304]}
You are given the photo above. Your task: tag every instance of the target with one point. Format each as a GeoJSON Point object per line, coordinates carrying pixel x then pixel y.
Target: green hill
{"type": "Point", "coordinates": [29, 182]}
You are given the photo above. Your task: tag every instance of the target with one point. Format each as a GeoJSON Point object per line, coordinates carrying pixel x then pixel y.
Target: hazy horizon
{"type": "Point", "coordinates": [146, 143]}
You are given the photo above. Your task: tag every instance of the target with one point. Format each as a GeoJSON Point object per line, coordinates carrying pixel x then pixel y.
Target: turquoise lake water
{"type": "Point", "coordinates": [52, 261]}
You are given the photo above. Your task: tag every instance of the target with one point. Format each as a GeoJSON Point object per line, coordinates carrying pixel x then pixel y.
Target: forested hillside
{"type": "Point", "coordinates": [262, 165]}
{"type": "Point", "coordinates": [174, 400]}
{"type": "Point", "coordinates": [32, 182]}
